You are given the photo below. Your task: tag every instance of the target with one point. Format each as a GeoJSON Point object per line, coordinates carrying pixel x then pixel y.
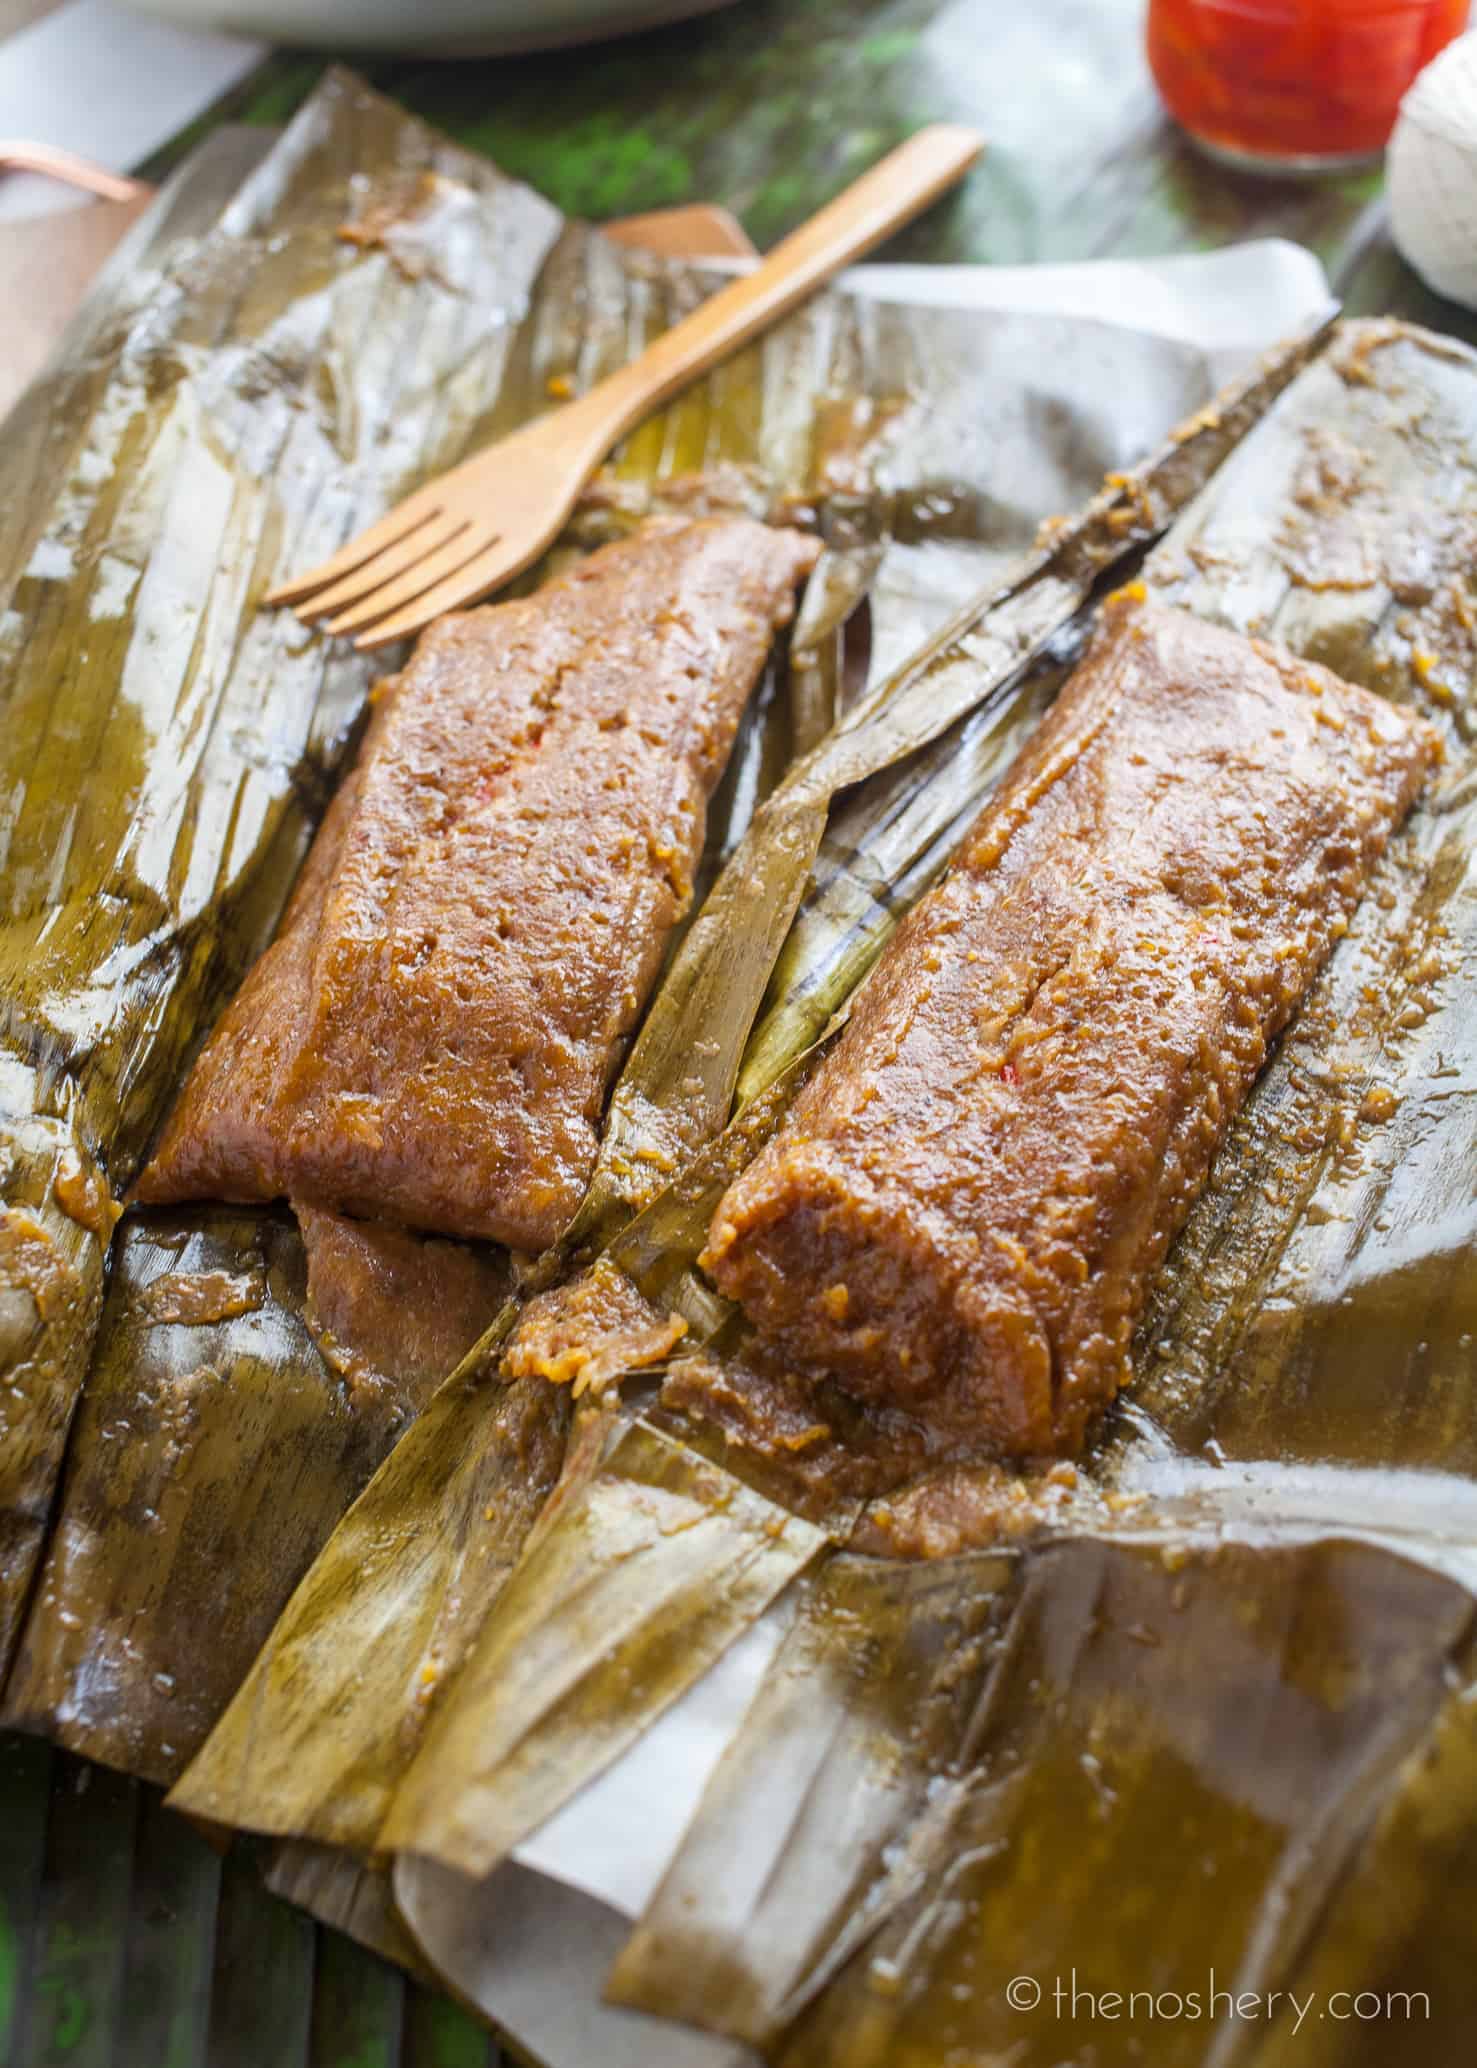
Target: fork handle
{"type": "Point", "coordinates": [896, 189]}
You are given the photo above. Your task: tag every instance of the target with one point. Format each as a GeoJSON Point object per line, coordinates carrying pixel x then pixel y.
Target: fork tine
{"type": "Point", "coordinates": [395, 525]}
{"type": "Point", "coordinates": [464, 545]}
{"type": "Point", "coordinates": [496, 564]}
{"type": "Point", "coordinates": [395, 562]}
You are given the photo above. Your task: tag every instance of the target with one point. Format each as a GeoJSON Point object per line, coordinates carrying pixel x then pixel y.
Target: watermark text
{"type": "Point", "coordinates": [1070, 1996]}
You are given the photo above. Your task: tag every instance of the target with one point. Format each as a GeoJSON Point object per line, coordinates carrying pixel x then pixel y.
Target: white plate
{"type": "Point", "coordinates": [432, 28]}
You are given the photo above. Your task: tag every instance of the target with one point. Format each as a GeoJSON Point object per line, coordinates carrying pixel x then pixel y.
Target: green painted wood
{"type": "Point", "coordinates": [170, 1954]}
{"type": "Point", "coordinates": [771, 106]}
{"type": "Point", "coordinates": [124, 1940]}
{"type": "Point", "coordinates": [262, 1982]}
{"type": "Point", "coordinates": [81, 1926]}
{"type": "Point", "coordinates": [25, 1795]}
{"type": "Point", "coordinates": [358, 2008]}
{"type": "Point", "coordinates": [437, 2033]}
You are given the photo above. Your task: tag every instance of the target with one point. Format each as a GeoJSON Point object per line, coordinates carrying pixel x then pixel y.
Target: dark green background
{"type": "Point", "coordinates": [771, 106]}
{"type": "Point", "coordinates": [125, 1941]}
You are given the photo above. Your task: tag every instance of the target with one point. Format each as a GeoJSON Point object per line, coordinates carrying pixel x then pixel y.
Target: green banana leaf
{"type": "Point", "coordinates": [618, 1606]}
{"type": "Point", "coordinates": [390, 1643]}
{"type": "Point", "coordinates": [1201, 1597]}
{"type": "Point", "coordinates": [51, 1262]}
{"type": "Point", "coordinates": [1171, 1763]}
{"type": "Point", "coordinates": [1236, 1657]}
{"type": "Point", "coordinates": [871, 1695]}
{"type": "Point", "coordinates": [278, 1759]}
{"type": "Point", "coordinates": [265, 389]}
{"type": "Point", "coordinates": [237, 404]}
{"type": "Point", "coordinates": [269, 1440]}
{"type": "Point", "coordinates": [1295, 1463]}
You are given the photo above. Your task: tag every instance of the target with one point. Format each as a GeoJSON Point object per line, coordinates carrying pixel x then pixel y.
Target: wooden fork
{"type": "Point", "coordinates": [479, 525]}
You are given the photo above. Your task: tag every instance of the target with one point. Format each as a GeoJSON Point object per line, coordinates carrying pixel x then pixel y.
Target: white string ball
{"type": "Point", "coordinates": [1431, 173]}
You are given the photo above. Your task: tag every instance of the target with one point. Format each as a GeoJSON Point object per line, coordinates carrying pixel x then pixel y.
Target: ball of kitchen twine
{"type": "Point", "coordinates": [1432, 173]}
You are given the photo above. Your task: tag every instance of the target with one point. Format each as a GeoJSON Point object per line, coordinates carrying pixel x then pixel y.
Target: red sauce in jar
{"type": "Point", "coordinates": [1294, 80]}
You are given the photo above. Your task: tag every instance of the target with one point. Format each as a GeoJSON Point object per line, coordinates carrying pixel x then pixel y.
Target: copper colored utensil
{"type": "Point", "coordinates": [47, 265]}
{"type": "Point", "coordinates": [477, 526]}
{"type": "Point", "coordinates": [71, 170]}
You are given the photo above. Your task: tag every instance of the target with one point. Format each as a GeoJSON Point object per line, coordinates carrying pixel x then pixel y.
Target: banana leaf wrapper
{"type": "Point", "coordinates": [51, 1290]}
{"type": "Point", "coordinates": [1159, 1762]}
{"type": "Point", "coordinates": [864, 559]}
{"type": "Point", "coordinates": [871, 1696]}
{"type": "Point", "coordinates": [242, 400]}
{"type": "Point", "coordinates": [277, 1760]}
{"type": "Point", "coordinates": [762, 431]}
{"type": "Point", "coordinates": [1399, 1923]}
{"type": "Point", "coordinates": [1335, 1322]}
{"type": "Point", "coordinates": [1310, 1511]}
{"type": "Point", "coordinates": [1378, 1656]}
{"type": "Point", "coordinates": [1295, 1461]}
{"type": "Point", "coordinates": [240, 1408]}
{"type": "Point", "coordinates": [270, 365]}
{"type": "Point", "coordinates": [233, 408]}
{"type": "Point", "coordinates": [641, 1540]}
{"type": "Point", "coordinates": [1087, 1840]}
{"type": "Point", "coordinates": [55, 1208]}
{"type": "Point", "coordinates": [388, 1644]}
{"type": "Point", "coordinates": [643, 1591]}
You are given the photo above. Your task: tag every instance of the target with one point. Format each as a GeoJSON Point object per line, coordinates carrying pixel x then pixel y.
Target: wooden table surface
{"type": "Point", "coordinates": [771, 106]}
{"type": "Point", "coordinates": [125, 1942]}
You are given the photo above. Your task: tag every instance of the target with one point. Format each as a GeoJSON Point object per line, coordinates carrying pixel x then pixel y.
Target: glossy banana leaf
{"type": "Point", "coordinates": [1224, 1584]}
{"type": "Point", "coordinates": [51, 1287]}
{"type": "Point", "coordinates": [871, 1697]}
{"type": "Point", "coordinates": [279, 1758]}
{"type": "Point", "coordinates": [624, 1598]}
{"type": "Point", "coordinates": [1349, 1593]}
{"type": "Point", "coordinates": [800, 1898]}
{"type": "Point", "coordinates": [634, 1578]}
{"type": "Point", "coordinates": [335, 1707]}
{"type": "Point", "coordinates": [1227, 1737]}
{"type": "Point", "coordinates": [278, 384]}
{"type": "Point", "coordinates": [54, 1208]}
{"type": "Point", "coordinates": [243, 1412]}
{"type": "Point", "coordinates": [1171, 1764]}
{"type": "Point", "coordinates": [1322, 1306]}
{"type": "Point", "coordinates": [241, 401]}
{"type": "Point", "coordinates": [1399, 1925]}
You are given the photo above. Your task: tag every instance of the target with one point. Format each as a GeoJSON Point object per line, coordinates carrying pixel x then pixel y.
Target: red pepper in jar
{"type": "Point", "coordinates": [1294, 84]}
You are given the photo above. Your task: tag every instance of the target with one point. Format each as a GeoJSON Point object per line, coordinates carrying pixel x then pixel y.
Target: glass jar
{"type": "Point", "coordinates": [1294, 85]}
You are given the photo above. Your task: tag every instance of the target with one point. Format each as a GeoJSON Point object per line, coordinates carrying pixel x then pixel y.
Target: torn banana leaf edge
{"type": "Point", "coordinates": [264, 364]}
{"type": "Point", "coordinates": [240, 395]}
{"type": "Point", "coordinates": [1358, 1574]}
{"type": "Point", "coordinates": [1444, 857]}
{"type": "Point", "coordinates": [1296, 1460]}
{"type": "Point", "coordinates": [982, 656]}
